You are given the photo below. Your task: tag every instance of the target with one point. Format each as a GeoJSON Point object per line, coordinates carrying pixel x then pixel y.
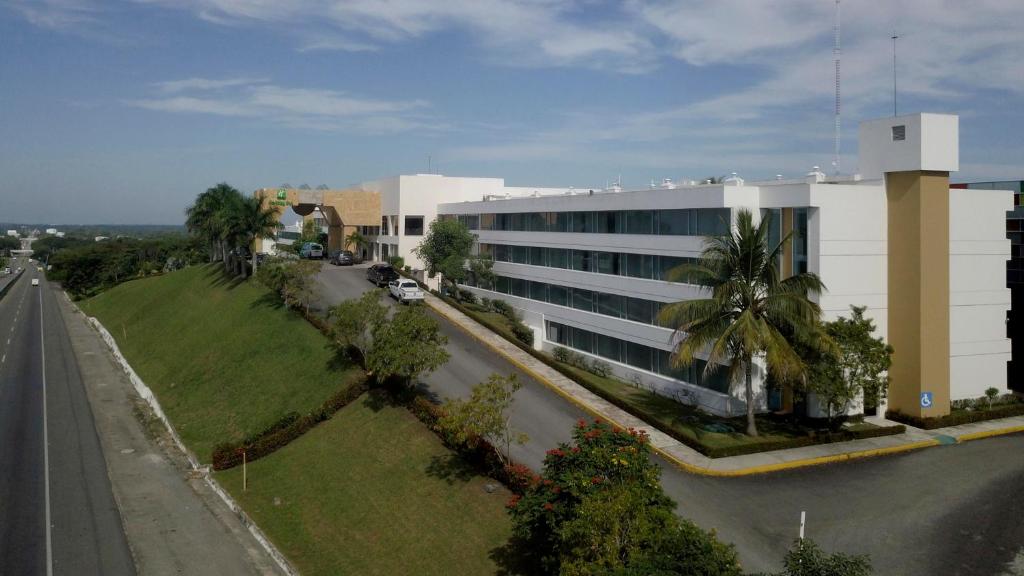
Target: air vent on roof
{"type": "Point", "coordinates": [899, 133]}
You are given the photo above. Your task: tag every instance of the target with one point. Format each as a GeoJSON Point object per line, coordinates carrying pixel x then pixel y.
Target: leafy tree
{"type": "Point", "coordinates": [482, 269]}
{"type": "Point", "coordinates": [445, 249]}
{"type": "Point", "coordinates": [407, 346]}
{"type": "Point", "coordinates": [858, 363]}
{"type": "Point", "coordinates": [356, 319]}
{"type": "Point", "coordinates": [485, 415]}
{"type": "Point", "coordinates": [807, 559]}
{"type": "Point", "coordinates": [599, 509]}
{"type": "Point", "coordinates": [751, 311]}
{"type": "Point", "coordinates": [8, 243]}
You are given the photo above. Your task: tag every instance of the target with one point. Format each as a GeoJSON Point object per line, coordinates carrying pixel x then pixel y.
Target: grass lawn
{"type": "Point", "coordinates": [223, 358]}
{"type": "Point", "coordinates": [713, 435]}
{"type": "Point", "coordinates": [373, 491]}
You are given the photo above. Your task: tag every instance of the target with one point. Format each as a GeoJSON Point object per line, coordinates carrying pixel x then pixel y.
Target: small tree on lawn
{"type": "Point", "coordinates": [599, 509]}
{"type": "Point", "coordinates": [445, 250]}
{"type": "Point", "coordinates": [485, 415]}
{"type": "Point", "coordinates": [355, 320]}
{"type": "Point", "coordinates": [407, 346]}
{"type": "Point", "coordinates": [807, 559]}
{"type": "Point", "coordinates": [299, 284]}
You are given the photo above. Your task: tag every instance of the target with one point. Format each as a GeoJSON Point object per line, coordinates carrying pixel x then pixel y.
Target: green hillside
{"type": "Point", "coordinates": [224, 359]}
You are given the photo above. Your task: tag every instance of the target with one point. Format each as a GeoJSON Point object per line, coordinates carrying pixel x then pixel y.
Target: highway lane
{"type": "Point", "coordinates": [952, 510]}
{"type": "Point", "coordinates": [57, 511]}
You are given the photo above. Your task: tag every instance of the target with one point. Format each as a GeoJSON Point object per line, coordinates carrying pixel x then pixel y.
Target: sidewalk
{"type": "Point", "coordinates": [689, 459]}
{"type": "Point", "coordinates": [174, 523]}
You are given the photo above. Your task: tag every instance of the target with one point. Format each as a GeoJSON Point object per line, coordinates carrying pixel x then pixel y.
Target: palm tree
{"type": "Point", "coordinates": [752, 312]}
{"type": "Point", "coordinates": [203, 218]}
{"type": "Point", "coordinates": [356, 239]}
{"type": "Point", "coordinates": [250, 220]}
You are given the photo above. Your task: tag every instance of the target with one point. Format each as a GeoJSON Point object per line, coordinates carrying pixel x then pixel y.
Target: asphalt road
{"type": "Point", "coordinates": [57, 511]}
{"type": "Point", "coordinates": [954, 510]}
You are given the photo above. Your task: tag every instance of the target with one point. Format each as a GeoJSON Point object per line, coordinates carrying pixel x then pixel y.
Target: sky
{"type": "Point", "coordinates": [121, 111]}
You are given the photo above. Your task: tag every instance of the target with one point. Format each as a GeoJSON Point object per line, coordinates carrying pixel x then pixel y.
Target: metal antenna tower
{"type": "Point", "coordinates": [894, 38]}
{"type": "Point", "coordinates": [836, 53]}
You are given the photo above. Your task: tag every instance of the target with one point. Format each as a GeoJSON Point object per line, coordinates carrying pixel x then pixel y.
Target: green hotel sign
{"type": "Point", "coordinates": [282, 194]}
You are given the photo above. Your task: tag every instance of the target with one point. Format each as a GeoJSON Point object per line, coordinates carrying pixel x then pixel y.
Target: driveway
{"type": "Point", "coordinates": [952, 510]}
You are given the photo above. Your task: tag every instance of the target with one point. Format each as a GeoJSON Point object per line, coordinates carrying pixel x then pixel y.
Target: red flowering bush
{"type": "Point", "coordinates": [564, 521]}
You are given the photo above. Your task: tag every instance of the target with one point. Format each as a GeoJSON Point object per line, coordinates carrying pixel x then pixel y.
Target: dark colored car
{"type": "Point", "coordinates": [343, 258]}
{"type": "Point", "coordinates": [381, 274]}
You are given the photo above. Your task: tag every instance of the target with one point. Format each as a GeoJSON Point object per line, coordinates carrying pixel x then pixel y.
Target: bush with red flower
{"type": "Point", "coordinates": [599, 508]}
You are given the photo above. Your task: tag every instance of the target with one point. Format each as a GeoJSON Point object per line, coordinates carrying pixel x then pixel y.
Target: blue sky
{"type": "Point", "coordinates": [121, 111]}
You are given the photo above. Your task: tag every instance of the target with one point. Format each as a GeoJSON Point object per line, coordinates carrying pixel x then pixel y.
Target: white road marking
{"type": "Point", "coordinates": [46, 446]}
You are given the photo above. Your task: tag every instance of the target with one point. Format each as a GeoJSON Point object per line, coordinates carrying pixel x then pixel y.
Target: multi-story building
{"type": "Point", "coordinates": [1014, 275]}
{"type": "Point", "coordinates": [588, 268]}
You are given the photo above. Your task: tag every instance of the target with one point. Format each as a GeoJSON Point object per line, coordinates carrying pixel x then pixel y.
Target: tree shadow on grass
{"type": "Point", "coordinates": [451, 468]}
{"type": "Point", "coordinates": [268, 300]}
{"type": "Point", "coordinates": [513, 558]}
{"type": "Point", "coordinates": [219, 278]}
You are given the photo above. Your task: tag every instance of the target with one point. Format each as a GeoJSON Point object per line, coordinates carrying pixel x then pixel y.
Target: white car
{"type": "Point", "coordinates": [405, 290]}
{"type": "Point", "coordinates": [35, 281]}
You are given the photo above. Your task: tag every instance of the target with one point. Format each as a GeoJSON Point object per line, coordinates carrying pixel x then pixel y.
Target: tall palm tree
{"type": "Point", "coordinates": [356, 239]}
{"type": "Point", "coordinates": [250, 220]}
{"type": "Point", "coordinates": [751, 312]}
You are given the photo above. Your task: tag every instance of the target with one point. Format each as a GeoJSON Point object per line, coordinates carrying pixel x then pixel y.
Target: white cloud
{"type": "Point", "coordinates": [302, 108]}
{"type": "Point", "coordinates": [55, 14]}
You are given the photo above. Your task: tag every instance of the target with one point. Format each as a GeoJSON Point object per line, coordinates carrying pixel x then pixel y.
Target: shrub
{"type": "Point", "coordinates": [601, 368]}
{"type": "Point", "coordinates": [503, 308]}
{"type": "Point", "coordinates": [396, 261]}
{"type": "Point", "coordinates": [561, 354]}
{"type": "Point", "coordinates": [486, 303]}
{"type": "Point", "coordinates": [522, 332]}
{"type": "Point", "coordinates": [959, 417]}
{"type": "Point", "coordinates": [467, 296]}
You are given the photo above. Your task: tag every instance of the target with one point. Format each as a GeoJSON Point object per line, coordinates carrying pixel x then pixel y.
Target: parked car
{"type": "Point", "coordinates": [261, 257]}
{"type": "Point", "coordinates": [343, 258]}
{"type": "Point", "coordinates": [381, 274]}
{"type": "Point", "coordinates": [405, 290]}
{"type": "Point", "coordinates": [312, 250]}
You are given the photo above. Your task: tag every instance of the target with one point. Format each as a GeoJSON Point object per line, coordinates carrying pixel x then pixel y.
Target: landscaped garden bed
{"type": "Point", "coordinates": [713, 436]}
{"type": "Point", "coordinates": [966, 412]}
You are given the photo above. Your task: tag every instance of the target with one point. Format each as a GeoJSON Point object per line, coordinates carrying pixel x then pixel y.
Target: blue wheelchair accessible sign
{"type": "Point", "coordinates": [926, 399]}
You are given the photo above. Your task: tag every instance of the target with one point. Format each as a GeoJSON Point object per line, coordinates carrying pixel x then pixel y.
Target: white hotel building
{"type": "Point", "coordinates": [587, 268]}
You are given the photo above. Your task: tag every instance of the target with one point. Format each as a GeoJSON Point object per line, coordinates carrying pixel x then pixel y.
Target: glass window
{"type": "Point", "coordinates": [640, 266]}
{"type": "Point", "coordinates": [609, 347]}
{"type": "Point", "coordinates": [608, 262]}
{"type": "Point", "coordinates": [609, 304]}
{"type": "Point", "coordinates": [539, 291]}
{"type": "Point", "coordinates": [674, 222]}
{"type": "Point", "coordinates": [666, 264]}
{"type": "Point", "coordinates": [537, 254]}
{"type": "Point", "coordinates": [640, 222]}
{"type": "Point", "coordinates": [582, 340]}
{"type": "Point", "coordinates": [582, 221]}
{"type": "Point", "coordinates": [520, 254]}
{"type": "Point", "coordinates": [558, 295]}
{"type": "Point", "coordinates": [610, 222]}
{"type": "Point", "coordinates": [639, 310]}
{"type": "Point", "coordinates": [501, 284]}
{"type": "Point", "coordinates": [563, 222]}
{"type": "Point", "coordinates": [384, 225]}
{"type": "Point", "coordinates": [500, 252]}
{"type": "Point", "coordinates": [535, 222]}
{"type": "Point", "coordinates": [581, 261]}
{"type": "Point", "coordinates": [713, 221]}
{"type": "Point", "coordinates": [519, 287]}
{"type": "Point", "coordinates": [487, 222]}
{"type": "Point", "coordinates": [558, 257]}
{"type": "Point", "coordinates": [558, 333]}
{"type": "Point", "coordinates": [582, 299]}
{"type": "Point", "coordinates": [639, 356]}
{"type": "Point", "coordinates": [414, 225]}
{"type": "Point", "coordinates": [515, 222]}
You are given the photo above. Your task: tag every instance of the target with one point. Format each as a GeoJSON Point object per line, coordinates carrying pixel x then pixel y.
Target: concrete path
{"type": "Point", "coordinates": [174, 523]}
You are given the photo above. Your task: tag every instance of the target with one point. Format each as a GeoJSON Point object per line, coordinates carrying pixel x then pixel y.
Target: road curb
{"type": "Point", "coordinates": [686, 466]}
{"type": "Point", "coordinates": [989, 433]}
{"type": "Point", "coordinates": [150, 398]}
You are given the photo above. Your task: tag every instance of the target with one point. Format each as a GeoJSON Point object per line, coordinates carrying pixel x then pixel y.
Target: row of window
{"type": "Point", "coordinates": [673, 222]}
{"type": "Point", "coordinates": [636, 355]}
{"type": "Point", "coordinates": [614, 305]}
{"type": "Point", "coordinates": [649, 266]}
{"type": "Point", "coordinates": [413, 225]}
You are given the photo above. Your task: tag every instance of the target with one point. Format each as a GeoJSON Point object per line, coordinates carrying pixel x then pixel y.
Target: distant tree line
{"type": "Point", "coordinates": [85, 268]}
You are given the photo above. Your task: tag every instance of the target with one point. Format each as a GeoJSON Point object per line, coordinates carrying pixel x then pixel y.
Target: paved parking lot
{"type": "Point", "coordinates": [952, 510]}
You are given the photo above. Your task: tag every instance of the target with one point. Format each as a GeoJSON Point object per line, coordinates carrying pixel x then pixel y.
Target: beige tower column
{"type": "Point", "coordinates": [786, 226]}
{"type": "Point", "coordinates": [918, 270]}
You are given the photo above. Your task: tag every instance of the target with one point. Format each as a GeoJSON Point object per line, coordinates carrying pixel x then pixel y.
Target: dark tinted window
{"type": "Point", "coordinates": [414, 225]}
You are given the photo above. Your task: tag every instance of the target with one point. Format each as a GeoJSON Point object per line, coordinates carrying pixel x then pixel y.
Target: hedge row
{"type": "Point", "coordinates": [709, 451]}
{"type": "Point", "coordinates": [958, 417]}
{"type": "Point", "coordinates": [479, 453]}
{"type": "Point", "coordinates": [288, 428]}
